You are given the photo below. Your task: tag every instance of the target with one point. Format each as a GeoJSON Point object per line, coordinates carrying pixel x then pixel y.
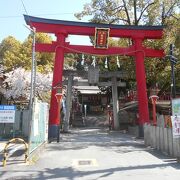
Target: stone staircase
{"type": "Point", "coordinates": [78, 120]}
{"type": "Point", "coordinates": [91, 120]}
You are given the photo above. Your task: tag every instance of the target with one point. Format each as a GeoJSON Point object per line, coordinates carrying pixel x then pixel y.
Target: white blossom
{"type": "Point", "coordinates": [17, 84]}
{"type": "Point", "coordinates": [1, 70]}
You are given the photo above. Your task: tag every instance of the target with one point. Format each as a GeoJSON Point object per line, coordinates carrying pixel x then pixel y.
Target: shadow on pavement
{"type": "Point", "coordinates": [70, 174]}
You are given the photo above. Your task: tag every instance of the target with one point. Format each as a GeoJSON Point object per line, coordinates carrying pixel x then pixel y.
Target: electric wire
{"type": "Point", "coordinates": [19, 16]}
{"type": "Point", "coordinates": [24, 6]}
{"type": "Point", "coordinates": [32, 29]}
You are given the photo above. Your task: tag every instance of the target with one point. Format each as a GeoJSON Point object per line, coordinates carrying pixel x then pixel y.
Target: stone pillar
{"type": "Point", "coordinates": [68, 103]}
{"type": "Point", "coordinates": [115, 103]}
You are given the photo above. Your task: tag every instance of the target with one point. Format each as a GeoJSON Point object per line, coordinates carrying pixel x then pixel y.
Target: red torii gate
{"type": "Point", "coordinates": [62, 29]}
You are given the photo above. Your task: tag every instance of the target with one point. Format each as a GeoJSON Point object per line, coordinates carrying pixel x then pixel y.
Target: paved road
{"type": "Point", "coordinates": [93, 154]}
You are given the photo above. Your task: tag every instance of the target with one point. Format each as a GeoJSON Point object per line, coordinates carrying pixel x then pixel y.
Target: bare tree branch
{"type": "Point", "coordinates": [175, 17]}
{"type": "Point", "coordinates": [135, 13]}
{"type": "Point", "coordinates": [119, 19]}
{"type": "Point", "coordinates": [169, 12]}
{"type": "Point", "coordinates": [118, 7]}
{"type": "Point", "coordinates": [163, 13]}
{"type": "Point", "coordinates": [127, 13]}
{"type": "Point", "coordinates": [143, 12]}
{"type": "Point", "coordinates": [117, 10]}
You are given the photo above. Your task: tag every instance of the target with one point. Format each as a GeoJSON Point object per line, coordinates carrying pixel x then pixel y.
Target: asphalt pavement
{"type": "Point", "coordinates": [95, 154]}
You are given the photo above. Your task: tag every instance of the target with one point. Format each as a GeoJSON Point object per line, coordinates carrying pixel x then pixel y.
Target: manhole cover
{"type": "Point", "coordinates": [84, 162]}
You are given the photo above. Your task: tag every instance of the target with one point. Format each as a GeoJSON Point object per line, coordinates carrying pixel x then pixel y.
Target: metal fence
{"type": "Point", "coordinates": [162, 139]}
{"type": "Point", "coordinates": [34, 129]}
{"type": "Point", "coordinates": [20, 128]}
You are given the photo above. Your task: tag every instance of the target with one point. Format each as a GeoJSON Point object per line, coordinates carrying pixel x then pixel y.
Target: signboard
{"type": "Point", "coordinates": [176, 107]}
{"type": "Point", "coordinates": [175, 118]}
{"type": "Point", "coordinates": [101, 38]}
{"type": "Point", "coordinates": [175, 126]}
{"type": "Point", "coordinates": [7, 113]}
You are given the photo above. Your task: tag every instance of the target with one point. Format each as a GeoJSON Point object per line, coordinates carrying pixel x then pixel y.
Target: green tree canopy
{"type": "Point", "coordinates": [44, 60]}
{"type": "Point", "coordinates": [142, 12]}
{"type": "Point", "coordinates": [131, 12]}
{"type": "Point", "coordinates": [9, 52]}
{"type": "Point", "coordinates": [14, 54]}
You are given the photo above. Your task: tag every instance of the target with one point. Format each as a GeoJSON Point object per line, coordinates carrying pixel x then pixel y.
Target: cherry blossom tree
{"type": "Point", "coordinates": [17, 83]}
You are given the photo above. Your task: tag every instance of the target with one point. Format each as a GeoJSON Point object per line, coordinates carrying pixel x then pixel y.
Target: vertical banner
{"type": "Point", "coordinates": [176, 107]}
{"type": "Point", "coordinates": [175, 118]}
{"type": "Point", "coordinates": [101, 38]}
{"type": "Point", "coordinates": [175, 126]}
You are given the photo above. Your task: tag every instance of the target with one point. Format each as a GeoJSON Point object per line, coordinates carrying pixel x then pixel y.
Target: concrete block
{"type": "Point", "coordinates": [170, 141]}
{"type": "Point", "coordinates": [150, 140]}
{"type": "Point", "coordinates": [147, 137]}
{"type": "Point", "coordinates": [153, 136]}
{"type": "Point", "coordinates": [178, 152]}
{"type": "Point", "coordinates": [157, 137]}
{"type": "Point", "coordinates": [175, 147]}
{"type": "Point", "coordinates": [166, 148]}
{"type": "Point", "coordinates": [161, 138]}
{"type": "Point", "coordinates": [145, 134]}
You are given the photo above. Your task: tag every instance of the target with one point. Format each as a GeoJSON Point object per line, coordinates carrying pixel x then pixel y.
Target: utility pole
{"type": "Point", "coordinates": [173, 61]}
{"type": "Point", "coordinates": [33, 82]}
{"type": "Point", "coordinates": [33, 70]}
{"type": "Point", "coordinates": [33, 67]}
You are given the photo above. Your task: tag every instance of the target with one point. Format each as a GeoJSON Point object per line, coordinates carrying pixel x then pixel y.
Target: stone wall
{"type": "Point", "coordinates": [162, 139]}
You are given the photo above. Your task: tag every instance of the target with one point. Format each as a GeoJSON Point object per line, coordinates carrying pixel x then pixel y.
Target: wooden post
{"type": "Point", "coordinates": [115, 103]}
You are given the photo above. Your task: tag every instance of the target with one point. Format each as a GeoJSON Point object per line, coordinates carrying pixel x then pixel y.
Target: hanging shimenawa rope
{"type": "Point", "coordinates": [104, 55]}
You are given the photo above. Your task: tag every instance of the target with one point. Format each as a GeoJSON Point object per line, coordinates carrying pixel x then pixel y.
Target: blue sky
{"type": "Point", "coordinates": [12, 21]}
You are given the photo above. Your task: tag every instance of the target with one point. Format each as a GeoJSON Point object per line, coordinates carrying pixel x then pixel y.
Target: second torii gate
{"type": "Point", "coordinates": [62, 29]}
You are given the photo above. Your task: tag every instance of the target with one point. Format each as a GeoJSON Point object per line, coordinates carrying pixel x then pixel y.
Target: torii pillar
{"type": "Point", "coordinates": [54, 121]}
{"type": "Point", "coordinates": [141, 84]}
